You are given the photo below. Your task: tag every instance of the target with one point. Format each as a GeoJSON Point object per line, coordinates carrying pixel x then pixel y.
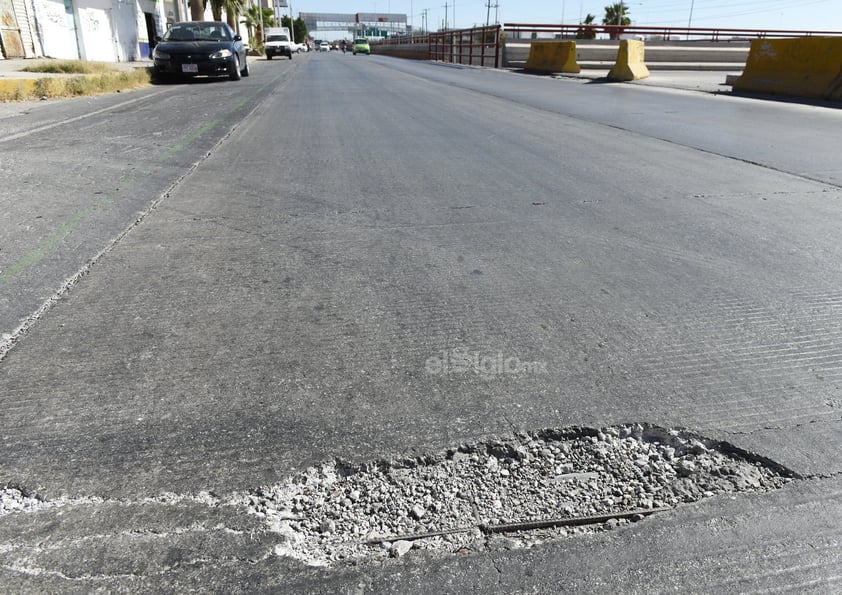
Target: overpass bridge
{"type": "Point", "coordinates": [360, 24]}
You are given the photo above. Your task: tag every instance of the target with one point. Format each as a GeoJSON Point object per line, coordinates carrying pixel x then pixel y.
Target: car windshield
{"type": "Point", "coordinates": [277, 38]}
{"type": "Point", "coordinates": [197, 32]}
{"type": "Point", "coordinates": [361, 41]}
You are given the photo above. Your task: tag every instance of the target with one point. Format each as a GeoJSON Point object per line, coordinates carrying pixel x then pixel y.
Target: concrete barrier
{"type": "Point", "coordinates": [808, 67]}
{"type": "Point", "coordinates": [411, 51]}
{"type": "Point", "coordinates": [630, 65]}
{"type": "Point", "coordinates": [552, 56]}
{"type": "Point", "coordinates": [596, 54]}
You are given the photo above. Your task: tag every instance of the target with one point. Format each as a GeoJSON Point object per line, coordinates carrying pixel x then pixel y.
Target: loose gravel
{"type": "Point", "coordinates": [14, 500]}
{"type": "Point", "coordinates": [507, 493]}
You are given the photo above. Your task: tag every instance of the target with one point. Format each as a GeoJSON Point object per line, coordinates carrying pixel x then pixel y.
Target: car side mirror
{"type": "Point", "coordinates": [238, 38]}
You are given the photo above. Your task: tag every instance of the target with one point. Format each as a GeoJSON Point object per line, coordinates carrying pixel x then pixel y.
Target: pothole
{"type": "Point", "coordinates": [506, 493]}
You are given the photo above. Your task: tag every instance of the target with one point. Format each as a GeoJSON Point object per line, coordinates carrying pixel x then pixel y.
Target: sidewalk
{"type": "Point", "coordinates": [12, 68]}
{"type": "Point", "coordinates": [706, 81]}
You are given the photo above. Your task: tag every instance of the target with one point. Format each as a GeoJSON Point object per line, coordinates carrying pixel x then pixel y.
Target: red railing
{"type": "Point", "coordinates": [479, 46]}
{"type": "Point", "coordinates": [404, 40]}
{"type": "Point", "coordinates": [521, 31]}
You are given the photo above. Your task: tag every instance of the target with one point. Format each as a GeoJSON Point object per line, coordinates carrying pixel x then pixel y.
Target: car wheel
{"type": "Point", "coordinates": [245, 71]}
{"type": "Point", "coordinates": [235, 73]}
{"type": "Point", "coordinates": [268, 56]}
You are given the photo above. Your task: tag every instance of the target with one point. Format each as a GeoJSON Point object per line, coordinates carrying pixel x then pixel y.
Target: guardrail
{"type": "Point", "coordinates": [524, 31]}
{"type": "Point", "coordinates": [667, 47]}
{"type": "Point", "coordinates": [479, 46]}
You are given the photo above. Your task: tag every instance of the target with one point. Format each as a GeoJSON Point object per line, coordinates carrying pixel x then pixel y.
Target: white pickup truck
{"type": "Point", "coordinates": [278, 43]}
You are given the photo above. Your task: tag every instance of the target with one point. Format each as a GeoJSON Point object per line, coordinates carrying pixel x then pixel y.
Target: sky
{"type": "Point", "coordinates": [812, 15]}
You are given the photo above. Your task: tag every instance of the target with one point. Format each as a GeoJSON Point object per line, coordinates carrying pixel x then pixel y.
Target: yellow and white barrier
{"type": "Point", "coordinates": [808, 67]}
{"type": "Point", "coordinates": [630, 65]}
{"type": "Point", "coordinates": [553, 56]}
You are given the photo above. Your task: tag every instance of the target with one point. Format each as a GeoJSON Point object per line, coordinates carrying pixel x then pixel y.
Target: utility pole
{"type": "Point", "coordinates": [488, 5]}
{"type": "Point", "coordinates": [291, 25]}
{"type": "Point", "coordinates": [445, 15]}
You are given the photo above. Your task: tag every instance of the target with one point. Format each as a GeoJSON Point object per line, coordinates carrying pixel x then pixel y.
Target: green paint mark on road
{"type": "Point", "coordinates": [34, 256]}
{"type": "Point", "coordinates": [54, 238]}
{"type": "Point", "coordinates": [187, 140]}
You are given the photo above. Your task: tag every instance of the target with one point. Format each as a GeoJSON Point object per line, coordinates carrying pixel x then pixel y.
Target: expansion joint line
{"type": "Point", "coordinates": [7, 342]}
{"type": "Point", "coordinates": [489, 529]}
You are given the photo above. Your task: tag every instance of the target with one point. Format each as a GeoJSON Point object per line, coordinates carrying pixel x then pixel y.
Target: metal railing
{"type": "Point", "coordinates": [403, 40]}
{"type": "Point", "coordinates": [479, 46]}
{"type": "Point", "coordinates": [529, 31]}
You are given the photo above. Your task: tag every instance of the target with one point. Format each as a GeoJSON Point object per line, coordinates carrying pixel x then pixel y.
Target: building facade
{"type": "Point", "coordinates": [96, 30]}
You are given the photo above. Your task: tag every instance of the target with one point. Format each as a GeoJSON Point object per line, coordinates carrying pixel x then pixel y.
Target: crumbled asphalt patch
{"type": "Point", "coordinates": [13, 499]}
{"type": "Point", "coordinates": [505, 493]}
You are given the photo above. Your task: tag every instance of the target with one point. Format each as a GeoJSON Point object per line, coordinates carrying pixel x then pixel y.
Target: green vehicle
{"type": "Point", "coordinates": [361, 46]}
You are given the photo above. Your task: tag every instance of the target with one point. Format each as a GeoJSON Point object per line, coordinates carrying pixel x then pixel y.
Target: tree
{"type": "Point", "coordinates": [216, 7]}
{"type": "Point", "coordinates": [252, 22]}
{"type": "Point", "coordinates": [197, 10]}
{"type": "Point", "coordinates": [233, 8]}
{"type": "Point", "coordinates": [298, 28]}
{"type": "Point", "coordinates": [586, 32]}
{"type": "Point", "coordinates": [615, 14]}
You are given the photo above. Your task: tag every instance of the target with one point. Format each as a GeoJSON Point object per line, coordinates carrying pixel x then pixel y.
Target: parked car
{"type": "Point", "coordinates": [195, 48]}
{"type": "Point", "coordinates": [324, 46]}
{"type": "Point", "coordinates": [361, 47]}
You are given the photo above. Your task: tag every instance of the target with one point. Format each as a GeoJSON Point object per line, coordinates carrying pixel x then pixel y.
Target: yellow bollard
{"type": "Point", "coordinates": [629, 65]}
{"type": "Point", "coordinates": [552, 56]}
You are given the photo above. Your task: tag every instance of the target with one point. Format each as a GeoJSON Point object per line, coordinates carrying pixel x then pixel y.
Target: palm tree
{"type": "Point", "coordinates": [252, 21]}
{"type": "Point", "coordinates": [615, 14]}
{"type": "Point", "coordinates": [586, 32]}
{"type": "Point", "coordinates": [233, 8]}
{"type": "Point", "coordinates": [216, 7]}
{"type": "Point", "coordinates": [197, 10]}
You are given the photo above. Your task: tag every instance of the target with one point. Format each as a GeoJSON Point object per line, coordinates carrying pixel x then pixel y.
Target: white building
{"type": "Point", "coordinates": [97, 30]}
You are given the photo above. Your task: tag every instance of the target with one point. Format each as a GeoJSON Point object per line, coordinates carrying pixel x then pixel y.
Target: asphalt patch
{"type": "Point", "coordinates": [513, 492]}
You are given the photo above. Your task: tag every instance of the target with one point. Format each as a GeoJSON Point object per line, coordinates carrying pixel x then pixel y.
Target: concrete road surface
{"type": "Point", "coordinates": [208, 288]}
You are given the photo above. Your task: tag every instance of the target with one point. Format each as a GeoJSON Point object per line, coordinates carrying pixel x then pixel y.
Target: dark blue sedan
{"type": "Point", "coordinates": [200, 48]}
